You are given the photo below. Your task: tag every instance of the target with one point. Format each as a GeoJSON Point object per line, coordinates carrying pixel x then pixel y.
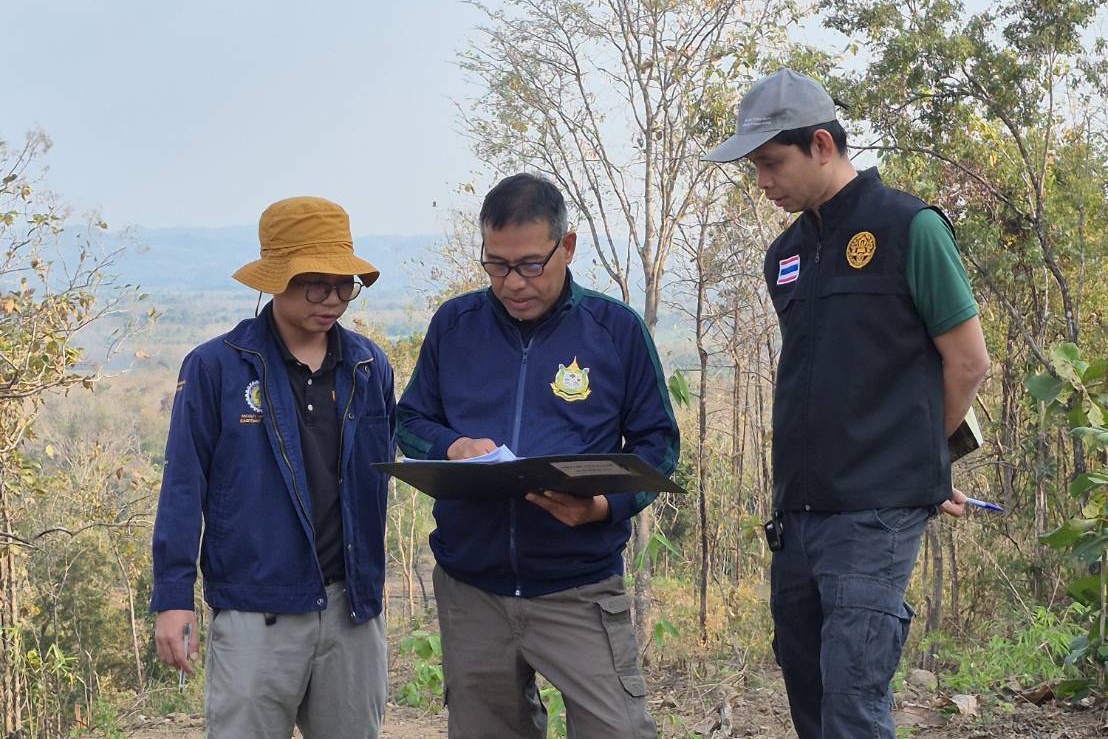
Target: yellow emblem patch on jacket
{"type": "Point", "coordinates": [571, 383]}
{"type": "Point", "coordinates": [860, 249]}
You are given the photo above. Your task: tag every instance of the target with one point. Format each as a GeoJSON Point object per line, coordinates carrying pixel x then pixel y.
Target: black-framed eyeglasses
{"type": "Point", "coordinates": [317, 292]}
{"type": "Point", "coordinates": [523, 269]}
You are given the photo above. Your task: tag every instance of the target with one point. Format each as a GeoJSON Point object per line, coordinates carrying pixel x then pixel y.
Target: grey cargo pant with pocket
{"type": "Point", "coordinates": [580, 639]}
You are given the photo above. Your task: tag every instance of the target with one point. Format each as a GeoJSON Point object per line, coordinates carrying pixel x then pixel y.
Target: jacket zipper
{"type": "Point", "coordinates": [284, 454]}
{"type": "Point", "coordinates": [811, 343]}
{"type": "Point", "coordinates": [513, 553]}
{"type": "Point", "coordinates": [338, 472]}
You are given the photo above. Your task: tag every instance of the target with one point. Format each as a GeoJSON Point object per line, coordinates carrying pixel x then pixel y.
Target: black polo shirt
{"type": "Point", "coordinates": [317, 415]}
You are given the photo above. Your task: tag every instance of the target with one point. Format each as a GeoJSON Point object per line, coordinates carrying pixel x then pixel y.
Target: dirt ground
{"type": "Point", "coordinates": [755, 706]}
{"type": "Point", "coordinates": [752, 703]}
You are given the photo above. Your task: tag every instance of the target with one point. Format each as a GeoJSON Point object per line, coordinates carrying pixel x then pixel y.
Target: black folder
{"type": "Point", "coordinates": [583, 475]}
{"type": "Point", "coordinates": [966, 438]}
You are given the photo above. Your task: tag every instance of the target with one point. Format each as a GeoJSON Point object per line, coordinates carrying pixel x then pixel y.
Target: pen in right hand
{"type": "Point", "coordinates": [181, 673]}
{"type": "Point", "coordinates": [984, 505]}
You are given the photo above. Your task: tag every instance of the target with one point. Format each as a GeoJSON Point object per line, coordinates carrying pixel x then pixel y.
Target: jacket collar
{"type": "Point", "coordinates": [571, 296]}
{"type": "Point", "coordinates": [334, 346]}
{"type": "Point", "coordinates": [842, 203]}
{"type": "Point", "coordinates": [254, 334]}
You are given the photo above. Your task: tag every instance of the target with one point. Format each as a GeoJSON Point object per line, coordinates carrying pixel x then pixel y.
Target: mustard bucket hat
{"type": "Point", "coordinates": [300, 235]}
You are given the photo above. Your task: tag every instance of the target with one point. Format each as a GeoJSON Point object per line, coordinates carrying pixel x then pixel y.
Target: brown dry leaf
{"type": "Point", "coordinates": [967, 704]}
{"type": "Point", "coordinates": [1038, 695]}
{"type": "Point", "coordinates": [918, 716]}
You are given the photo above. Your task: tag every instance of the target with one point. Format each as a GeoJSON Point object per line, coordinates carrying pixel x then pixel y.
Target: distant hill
{"type": "Point", "coordinates": [187, 273]}
{"type": "Point", "coordinates": [205, 258]}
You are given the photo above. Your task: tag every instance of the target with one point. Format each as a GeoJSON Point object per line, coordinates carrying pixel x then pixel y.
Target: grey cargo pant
{"type": "Point", "coordinates": [580, 639]}
{"type": "Point", "coordinates": [319, 671]}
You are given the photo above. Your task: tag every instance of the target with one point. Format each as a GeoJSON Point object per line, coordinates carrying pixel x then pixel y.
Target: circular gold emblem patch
{"type": "Point", "coordinates": [860, 249]}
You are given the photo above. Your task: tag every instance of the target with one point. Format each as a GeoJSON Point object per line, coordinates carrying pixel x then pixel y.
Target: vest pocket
{"type": "Point", "coordinates": [863, 285]}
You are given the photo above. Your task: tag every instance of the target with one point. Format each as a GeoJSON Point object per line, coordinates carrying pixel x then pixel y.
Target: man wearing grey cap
{"type": "Point", "coordinates": [881, 356]}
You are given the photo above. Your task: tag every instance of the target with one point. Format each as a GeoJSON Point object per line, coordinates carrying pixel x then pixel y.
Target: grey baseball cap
{"type": "Point", "coordinates": [780, 102]}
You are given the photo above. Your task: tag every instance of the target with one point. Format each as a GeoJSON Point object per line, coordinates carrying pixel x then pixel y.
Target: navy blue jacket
{"type": "Point", "coordinates": [233, 462]}
{"type": "Point", "coordinates": [586, 381]}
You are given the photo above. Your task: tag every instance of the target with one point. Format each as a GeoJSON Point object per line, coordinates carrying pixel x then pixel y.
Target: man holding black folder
{"type": "Point", "coordinates": [881, 355]}
{"type": "Point", "coordinates": [535, 584]}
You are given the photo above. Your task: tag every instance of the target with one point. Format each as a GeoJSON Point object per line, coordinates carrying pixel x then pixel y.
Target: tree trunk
{"type": "Point", "coordinates": [11, 681]}
{"type": "Point", "coordinates": [409, 565]}
{"type": "Point", "coordinates": [952, 556]}
{"type": "Point", "coordinates": [643, 527]}
{"type": "Point", "coordinates": [701, 453]}
{"type": "Point", "coordinates": [1042, 522]}
{"type": "Point", "coordinates": [933, 617]}
{"type": "Point", "coordinates": [740, 399]}
{"type": "Point", "coordinates": [136, 648]}
{"type": "Point", "coordinates": [1009, 409]}
{"type": "Point", "coordinates": [765, 455]}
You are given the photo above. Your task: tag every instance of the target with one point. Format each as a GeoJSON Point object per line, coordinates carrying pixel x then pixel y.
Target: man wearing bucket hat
{"type": "Point", "coordinates": [881, 356]}
{"type": "Point", "coordinates": [267, 479]}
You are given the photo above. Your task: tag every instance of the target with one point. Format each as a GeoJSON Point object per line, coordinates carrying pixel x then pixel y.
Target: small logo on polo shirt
{"type": "Point", "coordinates": [788, 269]}
{"type": "Point", "coordinates": [860, 249]}
{"type": "Point", "coordinates": [571, 383]}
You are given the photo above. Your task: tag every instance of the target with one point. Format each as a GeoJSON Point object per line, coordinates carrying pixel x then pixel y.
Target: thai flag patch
{"type": "Point", "coordinates": [788, 269]}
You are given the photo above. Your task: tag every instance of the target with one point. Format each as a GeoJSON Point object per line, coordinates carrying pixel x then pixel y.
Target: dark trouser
{"type": "Point", "coordinates": [839, 616]}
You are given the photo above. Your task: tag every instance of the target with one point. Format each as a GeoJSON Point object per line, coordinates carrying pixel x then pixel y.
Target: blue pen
{"type": "Point", "coordinates": [984, 504]}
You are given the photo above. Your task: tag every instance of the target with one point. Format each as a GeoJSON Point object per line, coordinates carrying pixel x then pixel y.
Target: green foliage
{"type": "Point", "coordinates": [104, 722]}
{"type": "Point", "coordinates": [658, 541]}
{"type": "Point", "coordinates": [662, 629]}
{"type": "Point", "coordinates": [738, 624]}
{"type": "Point", "coordinates": [555, 711]}
{"type": "Point", "coordinates": [992, 115]}
{"type": "Point", "coordinates": [1076, 389]}
{"type": "Point", "coordinates": [679, 388]}
{"type": "Point", "coordinates": [425, 686]}
{"type": "Point", "coordinates": [51, 675]}
{"type": "Point", "coordinates": [1028, 649]}
{"type": "Point", "coordinates": [68, 505]}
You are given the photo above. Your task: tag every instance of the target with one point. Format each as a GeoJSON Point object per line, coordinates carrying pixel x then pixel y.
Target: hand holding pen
{"type": "Point", "coordinates": [177, 640]}
{"type": "Point", "coordinates": [984, 505]}
{"type": "Point", "coordinates": [958, 501]}
{"type": "Point", "coordinates": [181, 673]}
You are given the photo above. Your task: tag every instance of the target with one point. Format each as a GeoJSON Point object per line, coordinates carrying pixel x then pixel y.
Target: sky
{"type": "Point", "coordinates": [201, 113]}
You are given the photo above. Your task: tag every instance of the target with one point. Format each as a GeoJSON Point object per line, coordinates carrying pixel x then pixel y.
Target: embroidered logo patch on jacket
{"type": "Point", "coordinates": [571, 383]}
{"type": "Point", "coordinates": [860, 249]}
{"type": "Point", "coordinates": [788, 269]}
{"type": "Point", "coordinates": [253, 397]}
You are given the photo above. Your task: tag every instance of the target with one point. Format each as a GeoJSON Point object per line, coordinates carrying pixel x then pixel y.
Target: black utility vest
{"type": "Point", "coordinates": [858, 407]}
